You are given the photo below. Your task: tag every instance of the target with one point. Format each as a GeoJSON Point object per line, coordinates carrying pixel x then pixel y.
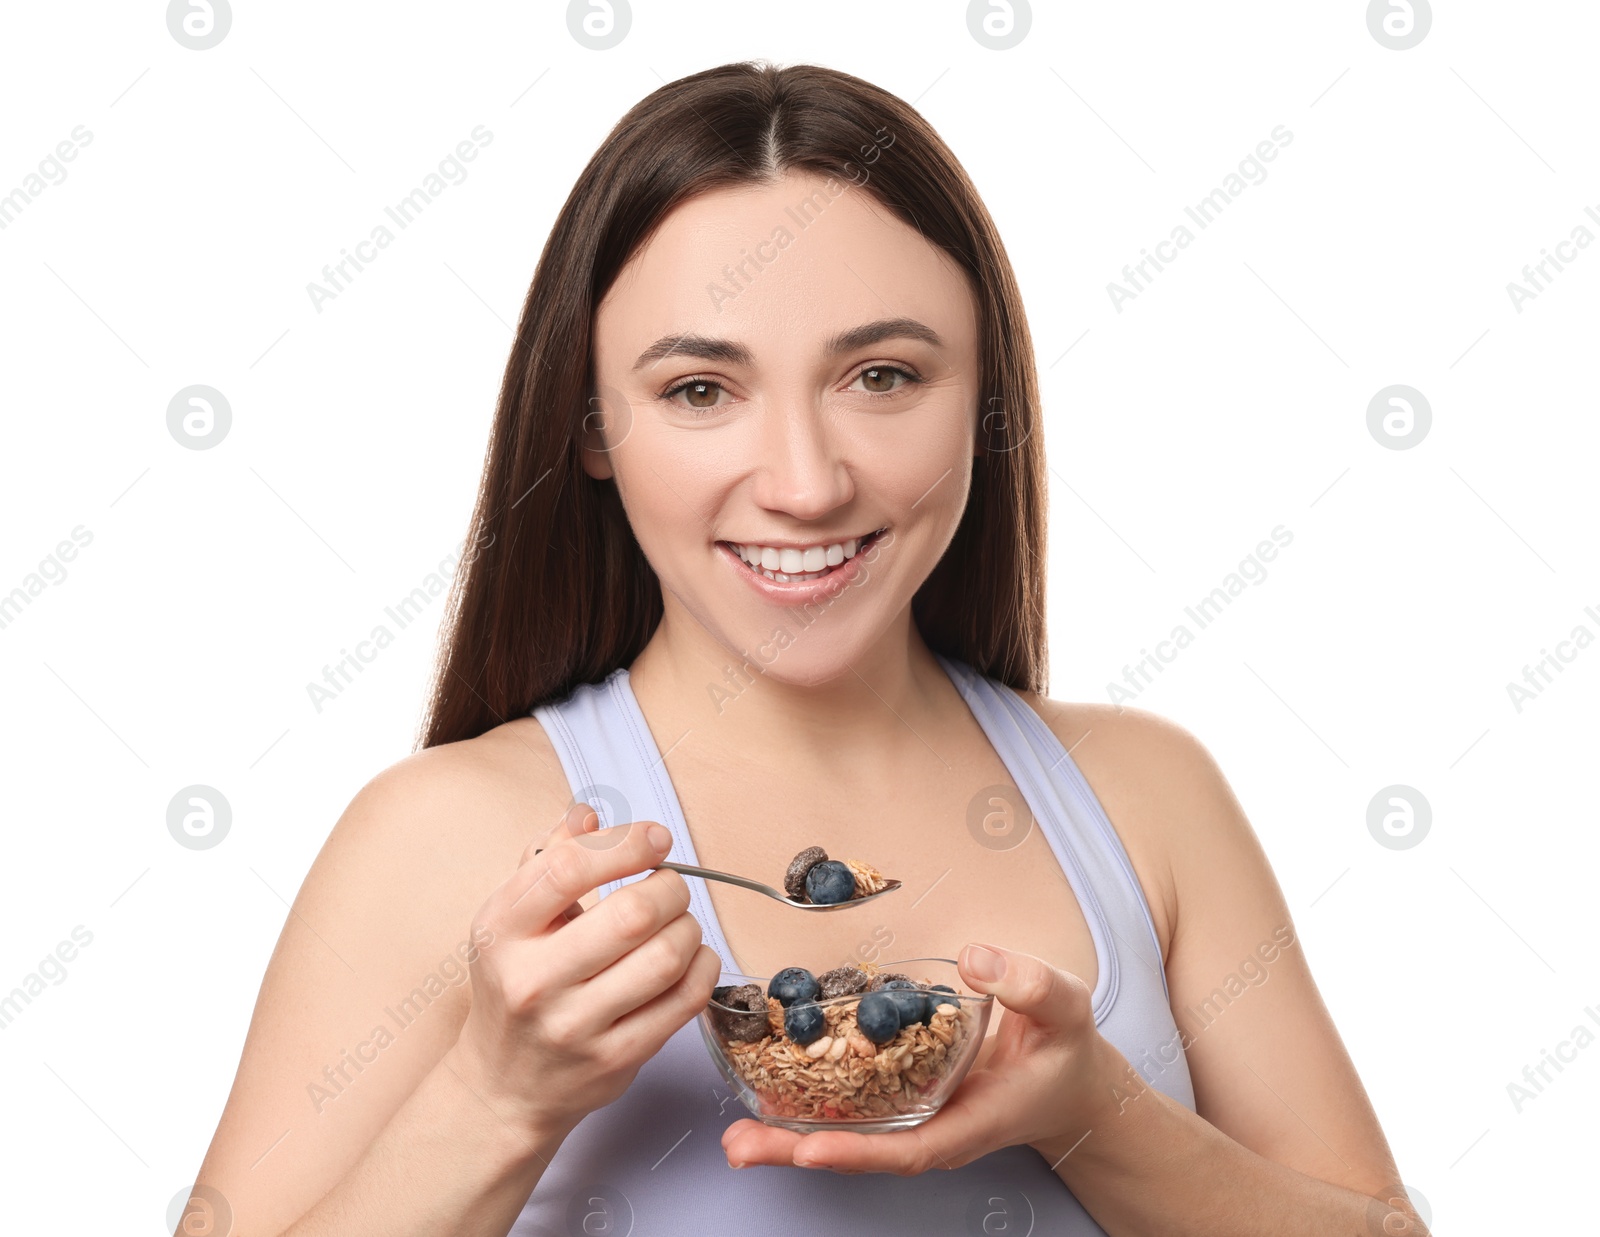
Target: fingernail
{"type": "Point", "coordinates": [812, 1164]}
{"type": "Point", "coordinates": [660, 838]}
{"type": "Point", "coordinates": [985, 963]}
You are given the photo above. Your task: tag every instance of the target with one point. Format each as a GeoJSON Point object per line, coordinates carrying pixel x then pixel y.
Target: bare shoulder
{"type": "Point", "coordinates": [1153, 778]}
{"type": "Point", "coordinates": [368, 984]}
{"type": "Point", "coordinates": [461, 813]}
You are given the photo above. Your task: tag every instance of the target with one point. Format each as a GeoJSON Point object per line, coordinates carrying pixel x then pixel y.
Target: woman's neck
{"type": "Point", "coordinates": [688, 683]}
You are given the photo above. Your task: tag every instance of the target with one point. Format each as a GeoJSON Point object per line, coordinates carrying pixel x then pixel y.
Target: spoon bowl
{"type": "Point", "coordinates": [744, 882]}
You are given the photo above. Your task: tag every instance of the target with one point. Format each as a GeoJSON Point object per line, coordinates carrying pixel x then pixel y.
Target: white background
{"type": "Point", "coordinates": [1228, 398]}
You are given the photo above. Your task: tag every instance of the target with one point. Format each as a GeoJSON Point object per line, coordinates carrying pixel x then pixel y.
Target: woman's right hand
{"type": "Point", "coordinates": [568, 1004]}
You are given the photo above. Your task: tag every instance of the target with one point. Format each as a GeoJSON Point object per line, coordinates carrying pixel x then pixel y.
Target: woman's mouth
{"type": "Point", "coordinates": [799, 565]}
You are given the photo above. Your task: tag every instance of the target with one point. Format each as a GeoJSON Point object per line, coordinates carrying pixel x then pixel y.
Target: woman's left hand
{"type": "Point", "coordinates": [1050, 1076]}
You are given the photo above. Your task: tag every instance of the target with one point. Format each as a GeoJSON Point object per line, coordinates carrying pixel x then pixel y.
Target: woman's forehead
{"type": "Point", "coordinates": [794, 262]}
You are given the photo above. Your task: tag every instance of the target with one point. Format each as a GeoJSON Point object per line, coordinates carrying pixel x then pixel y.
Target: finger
{"type": "Point", "coordinates": [619, 924]}
{"type": "Point", "coordinates": [904, 1153]}
{"type": "Point", "coordinates": [642, 1033]}
{"type": "Point", "coordinates": [952, 1137]}
{"type": "Point", "coordinates": [751, 1142]}
{"type": "Point", "coordinates": [570, 867]}
{"type": "Point", "coordinates": [588, 820]}
{"type": "Point", "coordinates": [1028, 985]}
{"type": "Point", "coordinates": [748, 1142]}
{"type": "Point", "coordinates": [640, 974]}
{"type": "Point", "coordinates": [579, 818]}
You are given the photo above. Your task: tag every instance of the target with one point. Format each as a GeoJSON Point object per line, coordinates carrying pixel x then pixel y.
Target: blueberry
{"type": "Point", "coordinates": [952, 999]}
{"type": "Point", "coordinates": [803, 1021]}
{"type": "Point", "coordinates": [793, 983]}
{"type": "Point", "coordinates": [914, 1003]}
{"type": "Point", "coordinates": [830, 881]}
{"type": "Point", "coordinates": [878, 1017]}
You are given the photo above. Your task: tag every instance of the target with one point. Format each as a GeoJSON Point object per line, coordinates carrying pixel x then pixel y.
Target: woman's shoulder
{"type": "Point", "coordinates": [1156, 782]}
{"type": "Point", "coordinates": [493, 794]}
{"type": "Point", "coordinates": [450, 822]}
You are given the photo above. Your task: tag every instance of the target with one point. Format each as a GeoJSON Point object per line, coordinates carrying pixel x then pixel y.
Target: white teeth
{"type": "Point", "coordinates": [787, 564]}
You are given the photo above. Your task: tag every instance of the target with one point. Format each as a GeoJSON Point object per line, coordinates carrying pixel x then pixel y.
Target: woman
{"type": "Point", "coordinates": [758, 564]}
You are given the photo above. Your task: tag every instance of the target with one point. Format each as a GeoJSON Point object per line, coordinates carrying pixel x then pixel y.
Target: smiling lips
{"type": "Point", "coordinates": [789, 564]}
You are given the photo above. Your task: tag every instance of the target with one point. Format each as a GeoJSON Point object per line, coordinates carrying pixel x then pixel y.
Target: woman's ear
{"type": "Point", "coordinates": [606, 423]}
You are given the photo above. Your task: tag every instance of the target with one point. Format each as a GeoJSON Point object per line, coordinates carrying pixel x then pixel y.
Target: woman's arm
{"type": "Point", "coordinates": [445, 1162]}
{"type": "Point", "coordinates": [348, 1090]}
{"type": "Point", "coordinates": [1285, 1140]}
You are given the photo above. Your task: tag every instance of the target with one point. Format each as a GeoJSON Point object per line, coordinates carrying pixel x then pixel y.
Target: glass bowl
{"type": "Point", "coordinates": [860, 1086]}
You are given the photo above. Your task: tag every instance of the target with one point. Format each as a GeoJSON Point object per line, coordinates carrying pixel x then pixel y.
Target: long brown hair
{"type": "Point", "coordinates": [553, 589]}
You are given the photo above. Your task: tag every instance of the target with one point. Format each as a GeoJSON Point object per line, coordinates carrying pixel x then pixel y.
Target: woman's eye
{"type": "Point", "coordinates": [880, 379]}
{"type": "Point", "coordinates": [698, 395]}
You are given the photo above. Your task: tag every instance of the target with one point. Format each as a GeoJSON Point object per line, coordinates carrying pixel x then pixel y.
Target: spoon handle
{"type": "Point", "coordinates": [688, 869]}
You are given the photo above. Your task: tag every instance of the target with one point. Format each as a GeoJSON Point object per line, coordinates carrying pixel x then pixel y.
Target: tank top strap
{"type": "Point", "coordinates": [612, 763]}
{"type": "Point", "coordinates": [1076, 826]}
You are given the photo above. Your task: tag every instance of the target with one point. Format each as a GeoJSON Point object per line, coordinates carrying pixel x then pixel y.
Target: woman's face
{"type": "Point", "coordinates": [783, 372]}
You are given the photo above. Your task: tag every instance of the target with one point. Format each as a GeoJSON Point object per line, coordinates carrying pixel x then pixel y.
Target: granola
{"type": "Point", "coordinates": [842, 1074]}
{"type": "Point", "coordinates": [868, 878]}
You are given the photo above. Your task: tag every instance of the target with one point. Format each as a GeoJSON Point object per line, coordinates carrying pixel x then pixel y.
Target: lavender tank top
{"type": "Point", "coordinates": [651, 1163]}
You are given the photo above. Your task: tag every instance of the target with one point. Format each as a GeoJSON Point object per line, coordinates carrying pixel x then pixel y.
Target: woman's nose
{"type": "Point", "coordinates": [800, 468]}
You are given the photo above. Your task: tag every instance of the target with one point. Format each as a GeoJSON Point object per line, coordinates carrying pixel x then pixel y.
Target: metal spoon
{"type": "Point", "coordinates": [744, 882]}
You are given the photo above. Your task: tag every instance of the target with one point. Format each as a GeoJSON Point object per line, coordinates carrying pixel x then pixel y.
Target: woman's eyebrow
{"type": "Point", "coordinates": [707, 348]}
